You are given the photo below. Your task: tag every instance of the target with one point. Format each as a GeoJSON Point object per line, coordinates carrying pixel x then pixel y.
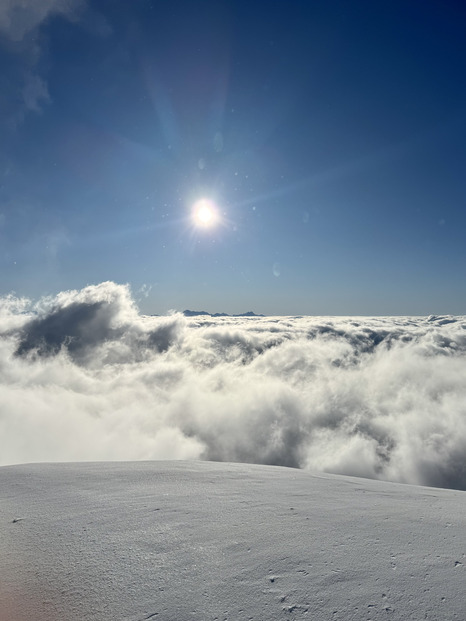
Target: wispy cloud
{"type": "Point", "coordinates": [20, 17]}
{"type": "Point", "coordinates": [20, 24]}
{"type": "Point", "coordinates": [35, 92]}
{"type": "Point", "coordinates": [85, 376]}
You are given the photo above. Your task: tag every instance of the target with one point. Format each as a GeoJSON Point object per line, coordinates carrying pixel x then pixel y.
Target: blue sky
{"type": "Point", "coordinates": [330, 136]}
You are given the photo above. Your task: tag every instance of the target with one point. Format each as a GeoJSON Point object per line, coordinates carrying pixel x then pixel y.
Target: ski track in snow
{"type": "Point", "coordinates": [179, 541]}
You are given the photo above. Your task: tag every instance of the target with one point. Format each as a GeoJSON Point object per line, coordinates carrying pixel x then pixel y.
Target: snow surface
{"type": "Point", "coordinates": [178, 541]}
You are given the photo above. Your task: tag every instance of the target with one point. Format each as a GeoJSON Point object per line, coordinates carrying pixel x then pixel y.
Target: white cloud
{"type": "Point", "coordinates": [84, 376]}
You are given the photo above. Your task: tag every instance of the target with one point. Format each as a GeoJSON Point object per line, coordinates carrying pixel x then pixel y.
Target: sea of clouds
{"type": "Point", "coordinates": [85, 376]}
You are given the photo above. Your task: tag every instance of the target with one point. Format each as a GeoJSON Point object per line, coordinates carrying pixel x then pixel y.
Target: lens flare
{"type": "Point", "coordinates": [205, 213]}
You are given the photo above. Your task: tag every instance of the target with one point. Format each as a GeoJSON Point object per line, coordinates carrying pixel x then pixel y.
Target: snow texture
{"type": "Point", "coordinates": [179, 541]}
{"type": "Point", "coordinates": [85, 377]}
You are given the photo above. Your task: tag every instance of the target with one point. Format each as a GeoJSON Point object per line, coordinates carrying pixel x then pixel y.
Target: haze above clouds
{"type": "Point", "coordinates": [86, 377]}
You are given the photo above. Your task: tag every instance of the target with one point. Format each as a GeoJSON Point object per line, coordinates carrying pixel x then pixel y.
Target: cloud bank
{"type": "Point", "coordinates": [85, 377]}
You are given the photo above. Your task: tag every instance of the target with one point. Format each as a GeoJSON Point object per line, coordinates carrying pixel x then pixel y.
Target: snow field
{"type": "Point", "coordinates": [178, 541]}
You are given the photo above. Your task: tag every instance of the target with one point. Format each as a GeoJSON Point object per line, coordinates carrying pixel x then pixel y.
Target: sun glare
{"type": "Point", "coordinates": [204, 213]}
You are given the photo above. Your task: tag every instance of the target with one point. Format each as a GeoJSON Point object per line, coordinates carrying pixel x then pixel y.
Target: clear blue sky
{"type": "Point", "coordinates": [331, 136]}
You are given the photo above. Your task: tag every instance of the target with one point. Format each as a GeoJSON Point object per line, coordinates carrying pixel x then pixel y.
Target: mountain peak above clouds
{"type": "Point", "coordinates": [193, 313]}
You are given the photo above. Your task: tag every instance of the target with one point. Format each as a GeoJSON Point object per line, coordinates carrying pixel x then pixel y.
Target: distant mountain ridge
{"type": "Point", "coordinates": [192, 313]}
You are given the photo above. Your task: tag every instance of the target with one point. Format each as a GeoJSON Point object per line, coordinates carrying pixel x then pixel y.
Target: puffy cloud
{"type": "Point", "coordinates": [97, 325]}
{"type": "Point", "coordinates": [85, 377]}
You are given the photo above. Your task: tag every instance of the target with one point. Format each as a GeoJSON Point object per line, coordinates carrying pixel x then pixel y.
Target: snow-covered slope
{"type": "Point", "coordinates": [178, 541]}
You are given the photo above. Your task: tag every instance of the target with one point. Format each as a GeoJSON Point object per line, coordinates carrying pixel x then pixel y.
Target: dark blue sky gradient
{"type": "Point", "coordinates": [330, 134]}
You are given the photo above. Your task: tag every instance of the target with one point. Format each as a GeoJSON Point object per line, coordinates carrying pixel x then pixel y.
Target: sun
{"type": "Point", "coordinates": [205, 213]}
